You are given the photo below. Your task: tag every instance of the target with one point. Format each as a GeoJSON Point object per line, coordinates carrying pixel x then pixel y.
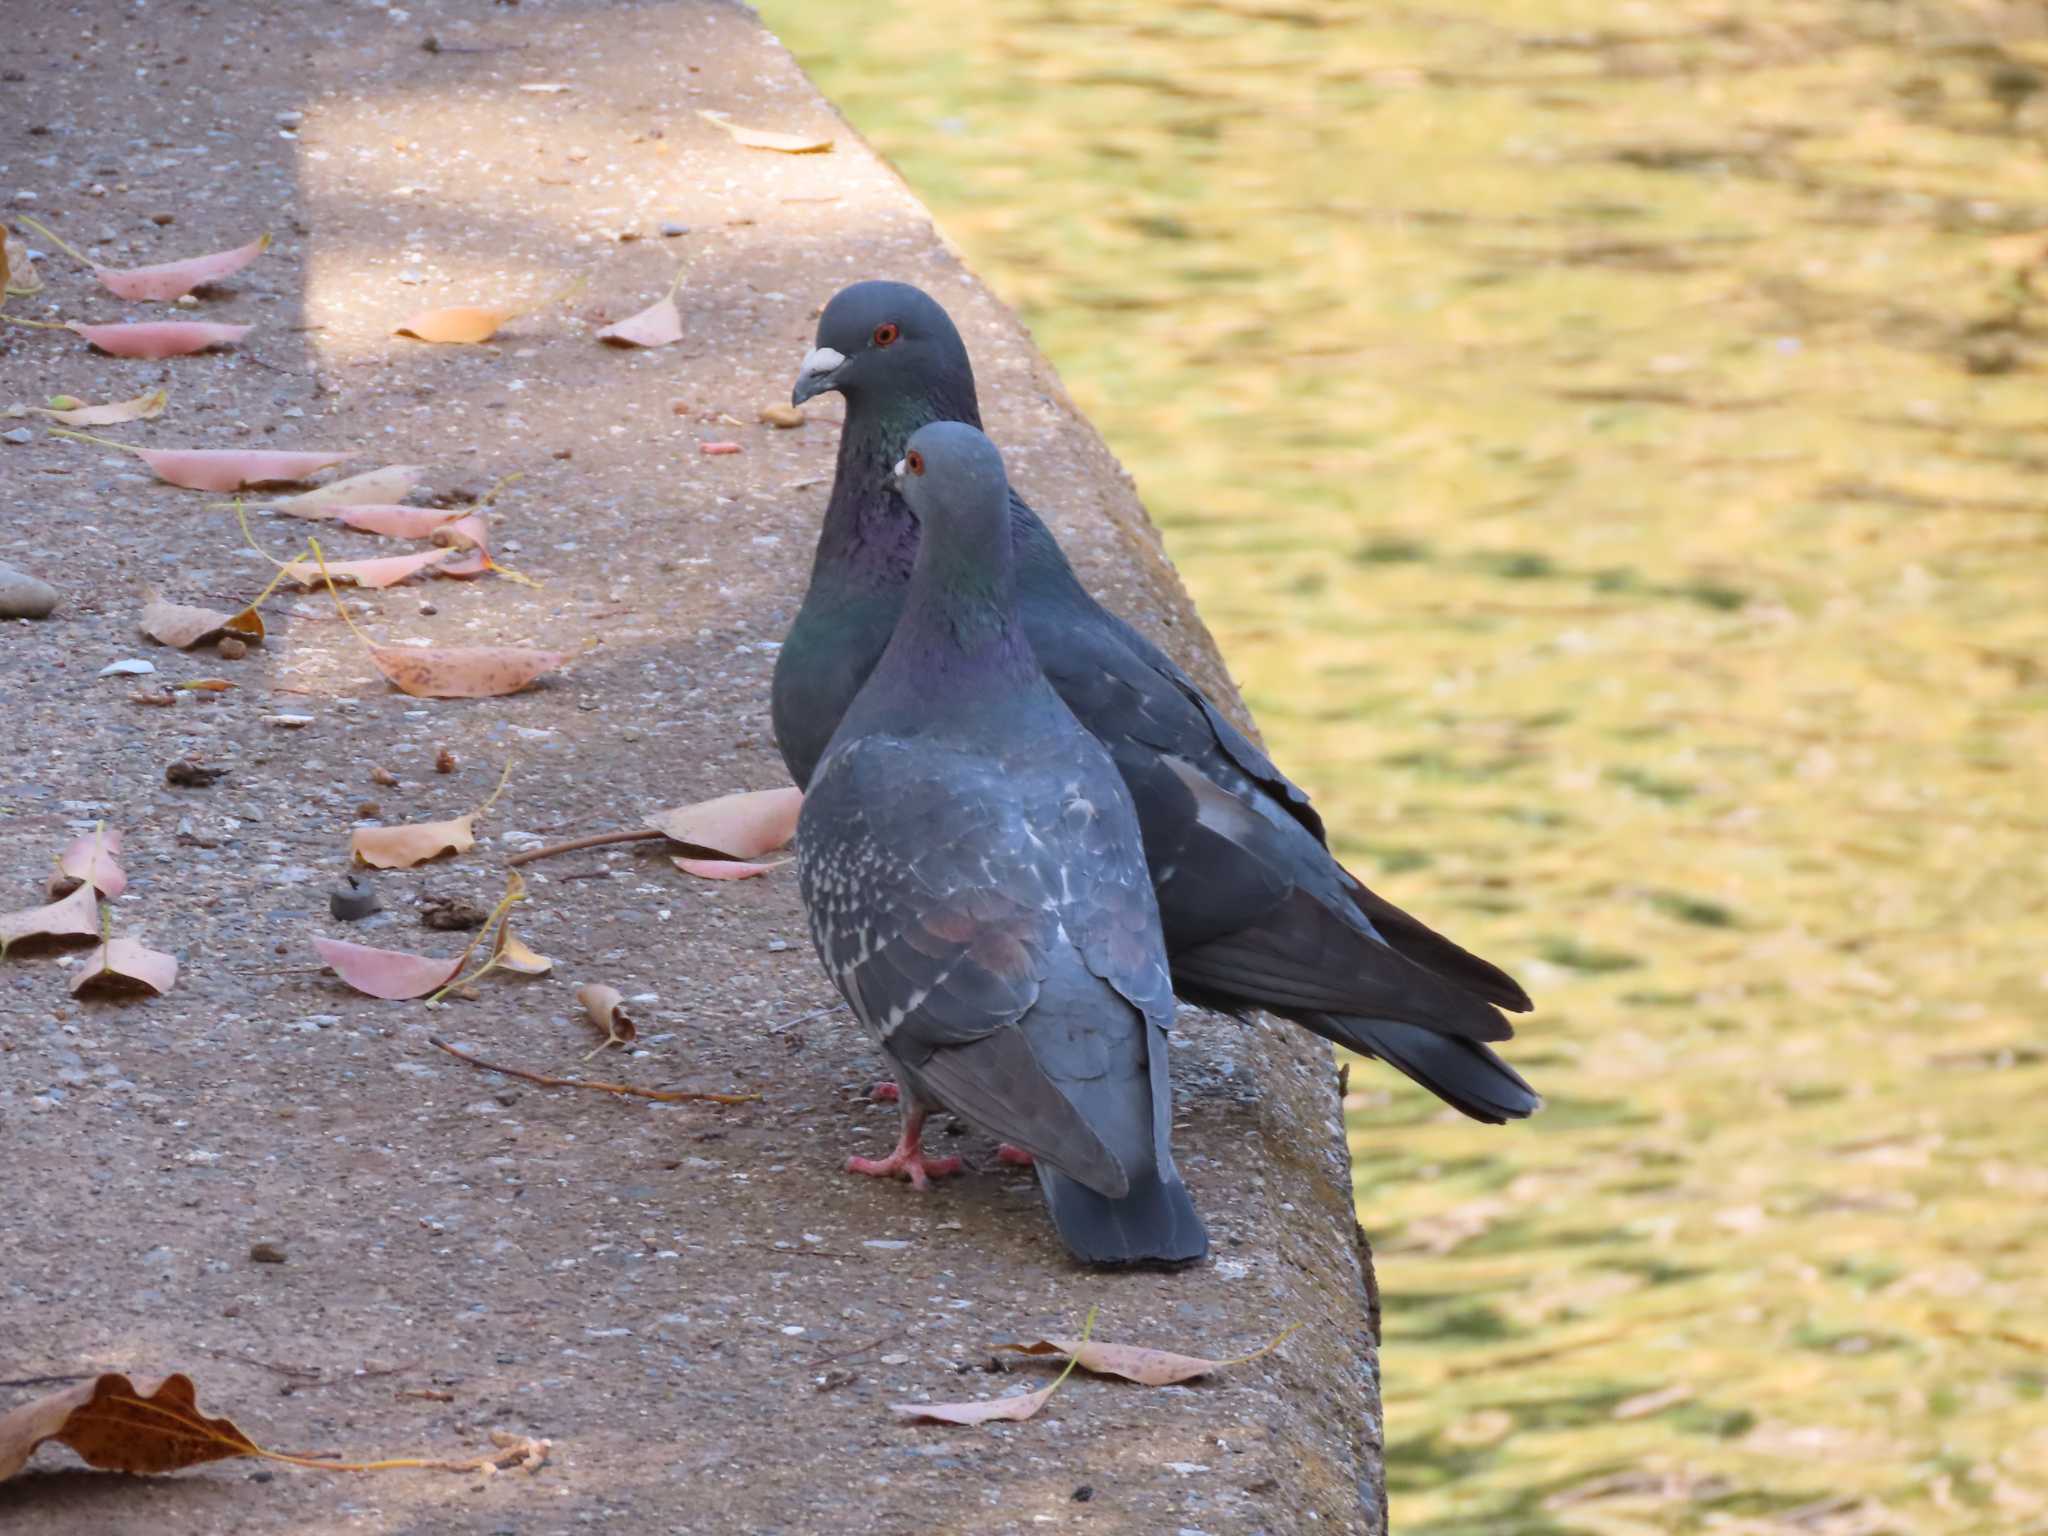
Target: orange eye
{"type": "Point", "coordinates": [886, 333]}
{"type": "Point", "coordinates": [915, 460]}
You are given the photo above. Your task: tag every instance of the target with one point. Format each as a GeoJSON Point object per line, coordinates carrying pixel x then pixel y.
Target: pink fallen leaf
{"type": "Point", "coordinates": [723, 869]}
{"type": "Point", "coordinates": [767, 138]}
{"type": "Point", "coordinates": [174, 279]}
{"type": "Point", "coordinates": [742, 826]}
{"type": "Point", "coordinates": [382, 571]}
{"type": "Point", "coordinates": [65, 921]}
{"type": "Point", "coordinates": [716, 449]}
{"type": "Point", "coordinates": [124, 964]}
{"type": "Point", "coordinates": [462, 671]}
{"type": "Point", "coordinates": [395, 522]}
{"type": "Point", "coordinates": [216, 469]}
{"type": "Point", "coordinates": [387, 973]}
{"type": "Point", "coordinates": [141, 408]}
{"type": "Point", "coordinates": [655, 326]}
{"type": "Point", "coordinates": [373, 487]}
{"type": "Point", "coordinates": [470, 537]}
{"type": "Point", "coordinates": [91, 861]}
{"type": "Point", "coordinates": [160, 338]}
{"type": "Point", "coordinates": [1019, 1407]}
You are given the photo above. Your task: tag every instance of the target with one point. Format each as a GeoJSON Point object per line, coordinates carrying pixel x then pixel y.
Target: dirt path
{"type": "Point", "coordinates": [702, 1314]}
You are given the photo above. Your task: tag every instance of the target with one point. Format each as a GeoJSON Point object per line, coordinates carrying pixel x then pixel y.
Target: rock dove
{"type": "Point", "coordinates": [976, 885]}
{"type": "Point", "coordinates": [1257, 913]}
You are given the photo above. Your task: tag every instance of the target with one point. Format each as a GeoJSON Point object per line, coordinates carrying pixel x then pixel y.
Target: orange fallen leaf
{"type": "Point", "coordinates": [723, 869]}
{"type": "Point", "coordinates": [605, 1007]}
{"type": "Point", "coordinates": [91, 861]}
{"type": "Point", "coordinates": [166, 280]}
{"type": "Point", "coordinates": [396, 522]}
{"type": "Point", "coordinates": [141, 408]}
{"type": "Point", "coordinates": [1019, 1407]}
{"type": "Point", "coordinates": [403, 846]}
{"type": "Point", "coordinates": [382, 571]}
{"type": "Point", "coordinates": [742, 826]}
{"type": "Point", "coordinates": [765, 138]}
{"type": "Point", "coordinates": [64, 921]}
{"type": "Point", "coordinates": [471, 324]}
{"type": "Point", "coordinates": [160, 338]}
{"type": "Point", "coordinates": [126, 964]}
{"type": "Point", "coordinates": [515, 955]}
{"type": "Point", "coordinates": [217, 469]}
{"type": "Point", "coordinates": [462, 671]}
{"type": "Point", "coordinates": [387, 973]}
{"type": "Point", "coordinates": [655, 326]}
{"type": "Point", "coordinates": [372, 487]}
{"type": "Point", "coordinates": [1148, 1367]}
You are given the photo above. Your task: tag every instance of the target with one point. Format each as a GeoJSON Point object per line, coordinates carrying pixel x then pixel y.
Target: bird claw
{"type": "Point", "coordinates": [905, 1164]}
{"type": "Point", "coordinates": [1016, 1157]}
{"type": "Point", "coordinates": [885, 1093]}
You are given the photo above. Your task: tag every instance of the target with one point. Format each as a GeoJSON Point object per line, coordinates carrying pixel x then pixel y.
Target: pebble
{"type": "Point", "coordinates": [670, 231]}
{"type": "Point", "coordinates": [18, 436]}
{"type": "Point", "coordinates": [353, 900]}
{"type": "Point", "coordinates": [22, 596]}
{"type": "Point", "coordinates": [782, 416]}
{"type": "Point", "coordinates": [132, 667]}
{"type": "Point", "coordinates": [266, 1253]}
{"type": "Point", "coordinates": [231, 649]}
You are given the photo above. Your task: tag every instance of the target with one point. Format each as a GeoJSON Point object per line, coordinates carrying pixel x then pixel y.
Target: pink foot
{"type": "Point", "coordinates": [1016, 1157]}
{"type": "Point", "coordinates": [908, 1160]}
{"type": "Point", "coordinates": [884, 1093]}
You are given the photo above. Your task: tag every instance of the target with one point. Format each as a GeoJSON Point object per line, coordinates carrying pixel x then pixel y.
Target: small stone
{"type": "Point", "coordinates": [19, 436]}
{"type": "Point", "coordinates": [679, 407]}
{"type": "Point", "coordinates": [161, 219]}
{"type": "Point", "coordinates": [187, 774]}
{"type": "Point", "coordinates": [353, 900]}
{"type": "Point", "coordinates": [228, 648]}
{"type": "Point", "coordinates": [784, 416]}
{"type": "Point", "coordinates": [1083, 1494]}
{"type": "Point", "coordinates": [22, 596]}
{"type": "Point", "coordinates": [288, 722]}
{"type": "Point", "coordinates": [670, 231]}
{"type": "Point", "coordinates": [266, 1253]}
{"type": "Point", "coordinates": [384, 777]}
{"type": "Point", "coordinates": [132, 667]}
{"type": "Point", "coordinates": [444, 761]}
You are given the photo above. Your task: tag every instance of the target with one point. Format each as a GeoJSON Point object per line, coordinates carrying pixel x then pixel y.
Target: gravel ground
{"type": "Point", "coordinates": [701, 1313]}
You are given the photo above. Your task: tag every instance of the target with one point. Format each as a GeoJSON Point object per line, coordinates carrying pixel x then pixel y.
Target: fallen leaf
{"type": "Point", "coordinates": [764, 138]}
{"type": "Point", "coordinates": [91, 861]}
{"type": "Point", "coordinates": [141, 408]}
{"type": "Point", "coordinates": [396, 522]}
{"type": "Point", "coordinates": [515, 955]}
{"type": "Point", "coordinates": [1019, 1407]}
{"type": "Point", "coordinates": [655, 326]}
{"type": "Point", "coordinates": [606, 1008]}
{"type": "Point", "coordinates": [722, 869]}
{"type": "Point", "coordinates": [547, 88]}
{"type": "Point", "coordinates": [122, 1426]}
{"type": "Point", "coordinates": [382, 571]}
{"type": "Point", "coordinates": [469, 324]}
{"type": "Point", "coordinates": [179, 625]}
{"type": "Point", "coordinates": [133, 666]}
{"type": "Point", "coordinates": [174, 279]}
{"type": "Point", "coordinates": [74, 917]}
{"type": "Point", "coordinates": [124, 963]}
{"type": "Point", "coordinates": [216, 469]}
{"type": "Point", "coordinates": [402, 847]}
{"type": "Point", "coordinates": [18, 275]}
{"type": "Point", "coordinates": [742, 826]}
{"type": "Point", "coordinates": [470, 537]}
{"type": "Point", "coordinates": [1148, 1367]}
{"type": "Point", "coordinates": [387, 973]}
{"type": "Point", "coordinates": [160, 338]}
{"type": "Point", "coordinates": [370, 488]}
{"type": "Point", "coordinates": [462, 671]}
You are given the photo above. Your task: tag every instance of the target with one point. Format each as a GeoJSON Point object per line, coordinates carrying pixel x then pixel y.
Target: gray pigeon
{"type": "Point", "coordinates": [976, 885]}
{"type": "Point", "coordinates": [1257, 913]}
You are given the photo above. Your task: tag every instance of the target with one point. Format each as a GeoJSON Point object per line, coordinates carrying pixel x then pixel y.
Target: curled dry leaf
{"type": "Point", "coordinates": [402, 847]}
{"type": "Point", "coordinates": [124, 964]}
{"type": "Point", "coordinates": [64, 921]}
{"type": "Point", "coordinates": [470, 537]}
{"type": "Point", "coordinates": [462, 671]}
{"type": "Point", "coordinates": [395, 522]}
{"type": "Point", "coordinates": [723, 869]}
{"type": "Point", "coordinates": [372, 487]}
{"type": "Point", "coordinates": [91, 861]}
{"type": "Point", "coordinates": [161, 338]}
{"type": "Point", "coordinates": [514, 954]}
{"type": "Point", "coordinates": [655, 326]}
{"type": "Point", "coordinates": [141, 408]}
{"type": "Point", "coordinates": [764, 138]}
{"type": "Point", "coordinates": [174, 279]}
{"type": "Point", "coordinates": [742, 826]}
{"type": "Point", "coordinates": [383, 571]}
{"type": "Point", "coordinates": [387, 973]}
{"type": "Point", "coordinates": [18, 276]}
{"type": "Point", "coordinates": [122, 1426]}
{"type": "Point", "coordinates": [182, 626]}
{"type": "Point", "coordinates": [605, 1007]}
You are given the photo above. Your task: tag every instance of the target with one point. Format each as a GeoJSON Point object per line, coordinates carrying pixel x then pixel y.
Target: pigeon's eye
{"type": "Point", "coordinates": [886, 333]}
{"type": "Point", "coordinates": [915, 460]}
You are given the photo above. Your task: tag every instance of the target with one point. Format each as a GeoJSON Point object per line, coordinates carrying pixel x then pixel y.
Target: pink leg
{"type": "Point", "coordinates": [908, 1160]}
{"type": "Point", "coordinates": [1016, 1157]}
{"type": "Point", "coordinates": [884, 1092]}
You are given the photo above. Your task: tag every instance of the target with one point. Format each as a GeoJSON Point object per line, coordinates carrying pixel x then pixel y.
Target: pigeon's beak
{"type": "Point", "coordinates": [900, 471]}
{"type": "Point", "coordinates": [815, 377]}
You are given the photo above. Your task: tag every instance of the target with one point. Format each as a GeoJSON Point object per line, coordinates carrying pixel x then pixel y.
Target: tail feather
{"type": "Point", "coordinates": [1155, 1223]}
{"type": "Point", "coordinates": [1463, 1073]}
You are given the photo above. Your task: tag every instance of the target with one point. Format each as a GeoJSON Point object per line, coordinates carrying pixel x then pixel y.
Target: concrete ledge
{"type": "Point", "coordinates": [705, 1316]}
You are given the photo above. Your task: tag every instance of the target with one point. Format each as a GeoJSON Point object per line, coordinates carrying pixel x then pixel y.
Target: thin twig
{"type": "Point", "coordinates": [783, 1029]}
{"type": "Point", "coordinates": [659, 1095]}
{"type": "Point", "coordinates": [595, 840]}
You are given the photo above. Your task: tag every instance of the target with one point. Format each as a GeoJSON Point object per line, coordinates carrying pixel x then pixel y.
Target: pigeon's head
{"type": "Point", "coordinates": [952, 477]}
{"type": "Point", "coordinates": [879, 340]}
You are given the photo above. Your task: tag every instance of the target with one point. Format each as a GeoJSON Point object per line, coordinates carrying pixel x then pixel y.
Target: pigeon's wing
{"type": "Point", "coordinates": [934, 908]}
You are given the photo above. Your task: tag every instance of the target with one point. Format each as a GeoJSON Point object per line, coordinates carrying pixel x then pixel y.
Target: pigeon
{"type": "Point", "coordinates": [1257, 912]}
{"type": "Point", "coordinates": [975, 880]}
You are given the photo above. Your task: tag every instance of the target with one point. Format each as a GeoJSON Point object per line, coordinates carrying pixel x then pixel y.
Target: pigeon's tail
{"type": "Point", "coordinates": [1155, 1223]}
{"type": "Point", "coordinates": [1463, 1073]}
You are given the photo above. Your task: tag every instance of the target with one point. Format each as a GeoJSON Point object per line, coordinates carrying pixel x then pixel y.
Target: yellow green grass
{"type": "Point", "coordinates": [1609, 443]}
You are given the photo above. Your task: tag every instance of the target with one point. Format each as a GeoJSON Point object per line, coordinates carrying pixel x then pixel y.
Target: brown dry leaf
{"type": "Point", "coordinates": [176, 624]}
{"type": "Point", "coordinates": [381, 571]}
{"type": "Point", "coordinates": [765, 138]}
{"type": "Point", "coordinates": [655, 326]}
{"type": "Point", "coordinates": [1020, 1407]}
{"type": "Point", "coordinates": [742, 826]}
{"type": "Point", "coordinates": [402, 847]}
{"type": "Point", "coordinates": [155, 339]}
{"type": "Point", "coordinates": [65, 921]}
{"type": "Point", "coordinates": [462, 671]}
{"type": "Point", "coordinates": [141, 408]}
{"type": "Point", "coordinates": [124, 964]}
{"type": "Point", "coordinates": [1147, 1367]}
{"type": "Point", "coordinates": [515, 955]}
{"type": "Point", "coordinates": [605, 1007]}
{"type": "Point", "coordinates": [370, 488]}
{"type": "Point", "coordinates": [387, 973]}
{"type": "Point", "coordinates": [18, 275]}
{"type": "Point", "coordinates": [122, 1426]}
{"type": "Point", "coordinates": [723, 869]}
{"type": "Point", "coordinates": [90, 861]}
